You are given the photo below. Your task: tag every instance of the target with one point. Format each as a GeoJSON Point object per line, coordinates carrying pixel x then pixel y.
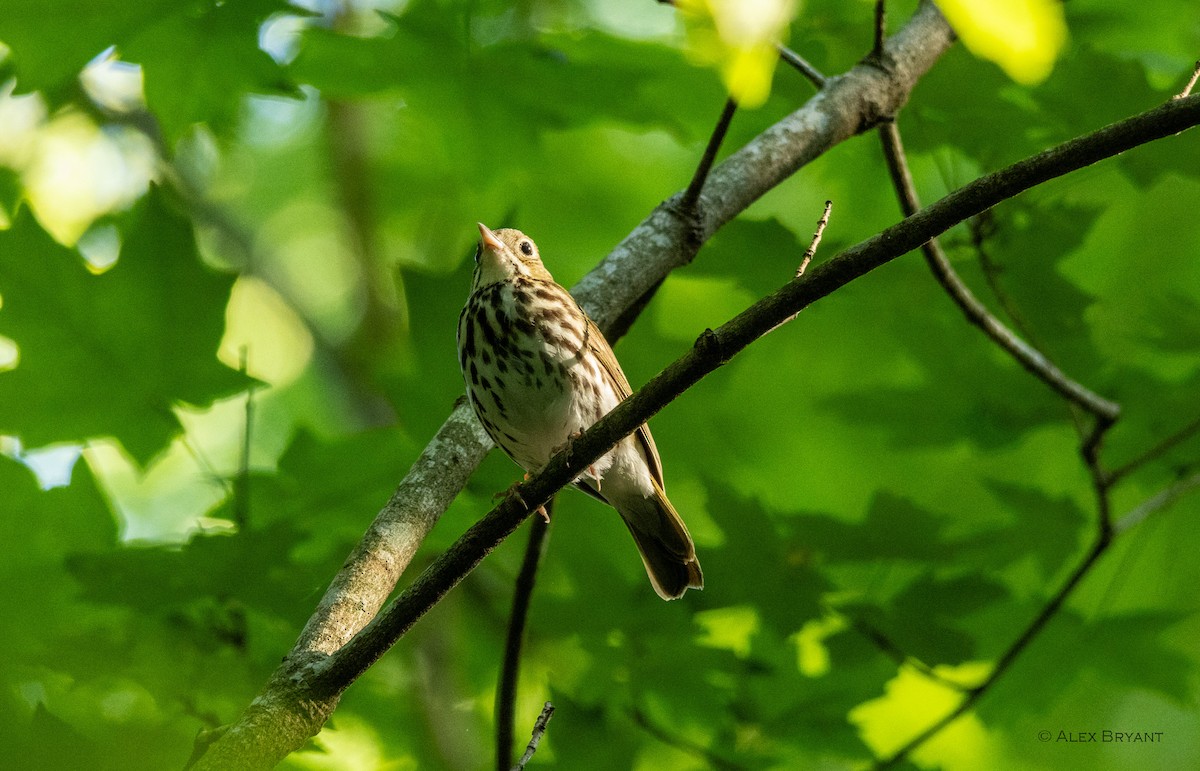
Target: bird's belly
{"type": "Point", "coordinates": [530, 405]}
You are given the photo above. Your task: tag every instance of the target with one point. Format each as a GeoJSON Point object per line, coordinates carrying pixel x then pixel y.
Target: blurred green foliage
{"type": "Point", "coordinates": [874, 477]}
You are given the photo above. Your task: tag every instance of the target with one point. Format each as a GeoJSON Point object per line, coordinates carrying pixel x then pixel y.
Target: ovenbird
{"type": "Point", "coordinates": [539, 372]}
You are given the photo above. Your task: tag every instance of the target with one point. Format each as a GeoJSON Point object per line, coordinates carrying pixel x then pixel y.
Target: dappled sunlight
{"type": "Point", "coordinates": [163, 503]}
{"type": "Point", "coordinates": [912, 703]}
{"type": "Point", "coordinates": [319, 273]}
{"type": "Point", "coordinates": [1024, 37]}
{"type": "Point", "coordinates": [264, 334]}
{"type": "Point", "coordinates": [730, 629]}
{"type": "Point", "coordinates": [349, 744]}
{"type": "Point", "coordinates": [9, 354]}
{"type": "Point", "coordinates": [235, 242]}
{"type": "Point", "coordinates": [77, 173]}
{"type": "Point", "coordinates": [812, 657]}
{"type": "Point", "coordinates": [739, 37]}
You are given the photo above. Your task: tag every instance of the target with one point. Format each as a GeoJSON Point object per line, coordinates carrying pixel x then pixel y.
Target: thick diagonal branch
{"type": "Point", "coordinates": [716, 347]}
{"type": "Point", "coordinates": [305, 689]}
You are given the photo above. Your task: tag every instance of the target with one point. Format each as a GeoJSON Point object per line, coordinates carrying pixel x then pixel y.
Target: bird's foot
{"type": "Point", "coordinates": [513, 492]}
{"type": "Point", "coordinates": [567, 445]}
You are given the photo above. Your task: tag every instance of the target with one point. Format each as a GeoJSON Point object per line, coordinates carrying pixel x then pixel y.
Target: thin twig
{"type": "Point", "coordinates": [1155, 452]}
{"type": "Point", "coordinates": [539, 729]}
{"type": "Point", "coordinates": [1048, 611]}
{"type": "Point", "coordinates": [691, 196]}
{"type": "Point", "coordinates": [241, 483]}
{"type": "Point", "coordinates": [1187, 90]}
{"type": "Point", "coordinates": [901, 657]}
{"type": "Point", "coordinates": [711, 760]}
{"type": "Point", "coordinates": [801, 65]}
{"type": "Point", "coordinates": [880, 28]}
{"type": "Point", "coordinates": [506, 693]}
{"type": "Point", "coordinates": [981, 228]}
{"type": "Point", "coordinates": [1105, 539]}
{"type": "Point", "coordinates": [816, 239]}
{"type": "Point", "coordinates": [1026, 355]}
{"type": "Point", "coordinates": [810, 252]}
{"type": "Point", "coordinates": [1156, 503]}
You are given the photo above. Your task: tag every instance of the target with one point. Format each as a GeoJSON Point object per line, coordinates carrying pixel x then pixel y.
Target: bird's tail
{"type": "Point", "coordinates": [664, 543]}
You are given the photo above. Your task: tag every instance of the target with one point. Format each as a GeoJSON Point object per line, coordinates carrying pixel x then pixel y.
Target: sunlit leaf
{"type": "Point", "coordinates": [739, 38]}
{"type": "Point", "coordinates": [109, 354]}
{"type": "Point", "coordinates": [1024, 37]}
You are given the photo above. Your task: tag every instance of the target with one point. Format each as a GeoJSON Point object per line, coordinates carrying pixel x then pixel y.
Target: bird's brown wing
{"type": "Point", "coordinates": [620, 384]}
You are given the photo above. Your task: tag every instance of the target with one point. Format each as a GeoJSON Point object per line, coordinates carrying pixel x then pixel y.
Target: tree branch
{"type": "Point", "coordinates": [1155, 452]}
{"type": "Point", "coordinates": [1106, 534]}
{"type": "Point", "coordinates": [506, 692]}
{"type": "Point", "coordinates": [715, 348]}
{"type": "Point", "coordinates": [976, 312]}
{"type": "Point", "coordinates": [539, 729]}
{"type": "Point", "coordinates": [284, 716]}
{"type": "Point", "coordinates": [306, 688]}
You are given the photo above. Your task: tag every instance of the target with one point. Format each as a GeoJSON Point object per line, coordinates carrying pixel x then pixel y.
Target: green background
{"type": "Point", "coordinates": [875, 469]}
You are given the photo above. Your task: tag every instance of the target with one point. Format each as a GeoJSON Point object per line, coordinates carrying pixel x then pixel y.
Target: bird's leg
{"type": "Point", "coordinates": [567, 446]}
{"type": "Point", "coordinates": [512, 492]}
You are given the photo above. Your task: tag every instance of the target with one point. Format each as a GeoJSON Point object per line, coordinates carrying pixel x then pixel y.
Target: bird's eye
{"type": "Point", "coordinates": [526, 248]}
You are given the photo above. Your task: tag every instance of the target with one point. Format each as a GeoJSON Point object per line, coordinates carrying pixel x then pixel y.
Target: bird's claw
{"type": "Point", "coordinates": [513, 492]}
{"type": "Point", "coordinates": [568, 445]}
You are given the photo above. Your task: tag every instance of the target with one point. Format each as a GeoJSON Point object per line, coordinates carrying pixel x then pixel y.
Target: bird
{"type": "Point", "coordinates": [539, 372]}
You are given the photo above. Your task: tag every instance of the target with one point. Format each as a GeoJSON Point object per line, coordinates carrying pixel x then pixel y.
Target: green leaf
{"type": "Point", "coordinates": [1045, 528]}
{"type": "Point", "coordinates": [200, 62]}
{"type": "Point", "coordinates": [894, 528]}
{"type": "Point", "coordinates": [198, 57]}
{"type": "Point", "coordinates": [40, 612]}
{"type": "Point", "coordinates": [110, 354]}
{"type": "Point", "coordinates": [779, 556]}
{"type": "Point", "coordinates": [926, 619]}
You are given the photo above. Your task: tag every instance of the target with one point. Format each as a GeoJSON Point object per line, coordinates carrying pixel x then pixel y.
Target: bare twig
{"type": "Point", "coordinates": [801, 65]}
{"type": "Point", "coordinates": [1156, 503]}
{"type": "Point", "coordinates": [1154, 453]}
{"type": "Point", "coordinates": [506, 693]}
{"type": "Point", "coordinates": [1026, 355]}
{"type": "Point", "coordinates": [1187, 90]}
{"type": "Point", "coordinates": [1010, 655]}
{"type": "Point", "coordinates": [691, 196]}
{"type": "Point", "coordinates": [816, 239]}
{"type": "Point", "coordinates": [880, 28]}
{"type": "Point", "coordinates": [902, 657]}
{"type": "Point", "coordinates": [241, 483]}
{"type": "Point", "coordinates": [981, 228]}
{"type": "Point", "coordinates": [1104, 539]}
{"type": "Point", "coordinates": [539, 729]}
{"type": "Point", "coordinates": [711, 759]}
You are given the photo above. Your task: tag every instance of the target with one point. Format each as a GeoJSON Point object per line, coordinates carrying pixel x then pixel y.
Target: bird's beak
{"type": "Point", "coordinates": [489, 238]}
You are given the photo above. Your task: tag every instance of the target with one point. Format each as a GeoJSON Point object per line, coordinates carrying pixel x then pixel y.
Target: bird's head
{"type": "Point", "coordinates": [506, 254]}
